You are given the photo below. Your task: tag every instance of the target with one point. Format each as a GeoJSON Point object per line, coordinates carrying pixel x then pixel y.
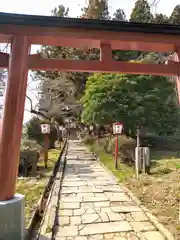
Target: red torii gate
{"type": "Point", "coordinates": [24, 30]}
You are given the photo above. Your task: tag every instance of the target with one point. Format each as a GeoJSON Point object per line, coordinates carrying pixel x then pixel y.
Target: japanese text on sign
{"type": "Point", "coordinates": [45, 128]}
{"type": "Point", "coordinates": [117, 128]}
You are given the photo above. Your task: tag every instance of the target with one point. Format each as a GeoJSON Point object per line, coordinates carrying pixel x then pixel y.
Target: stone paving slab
{"type": "Point", "coordinates": [101, 228]}
{"type": "Point", "coordinates": [94, 207]}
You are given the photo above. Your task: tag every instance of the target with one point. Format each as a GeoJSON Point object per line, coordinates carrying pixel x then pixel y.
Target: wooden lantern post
{"type": "Point", "coordinates": [117, 130]}
{"type": "Point", "coordinates": [45, 130]}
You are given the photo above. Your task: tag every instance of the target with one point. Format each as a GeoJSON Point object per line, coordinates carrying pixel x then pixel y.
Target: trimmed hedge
{"type": "Point", "coordinates": [169, 143]}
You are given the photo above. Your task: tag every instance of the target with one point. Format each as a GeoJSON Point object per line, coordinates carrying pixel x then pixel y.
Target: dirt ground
{"type": "Point", "coordinates": [160, 191]}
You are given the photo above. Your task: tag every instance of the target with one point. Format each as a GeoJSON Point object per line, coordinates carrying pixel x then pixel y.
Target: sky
{"type": "Point", "coordinates": [44, 7]}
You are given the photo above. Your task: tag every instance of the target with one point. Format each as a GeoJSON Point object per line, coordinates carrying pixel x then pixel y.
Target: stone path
{"type": "Point", "coordinates": [94, 207]}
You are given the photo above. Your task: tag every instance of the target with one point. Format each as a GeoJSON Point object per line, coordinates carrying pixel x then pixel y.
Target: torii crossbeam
{"type": "Point", "coordinates": [24, 30]}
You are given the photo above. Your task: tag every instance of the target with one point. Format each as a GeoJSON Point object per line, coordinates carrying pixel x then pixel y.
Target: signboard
{"type": "Point", "coordinates": [117, 128]}
{"type": "Point", "coordinates": [60, 128]}
{"type": "Point", "coordinates": [45, 128]}
{"type": "Point", "coordinates": [91, 127]}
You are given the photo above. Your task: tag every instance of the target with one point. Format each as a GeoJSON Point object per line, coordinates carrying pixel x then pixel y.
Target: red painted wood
{"type": "Point", "coordinates": [105, 52]}
{"type": "Point", "coordinates": [94, 43]}
{"type": "Point", "coordinates": [116, 152]}
{"type": "Point", "coordinates": [4, 60]}
{"type": "Point", "coordinates": [35, 62]}
{"type": "Point", "coordinates": [13, 117]}
{"type": "Point", "coordinates": [178, 87]}
{"type": "Point", "coordinates": [5, 38]}
{"type": "Point", "coordinates": [46, 148]}
{"type": "Point", "coordinates": [68, 36]}
{"type": "Point", "coordinates": [176, 59]}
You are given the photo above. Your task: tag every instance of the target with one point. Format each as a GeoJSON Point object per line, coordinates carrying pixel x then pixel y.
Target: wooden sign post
{"type": "Point", "coordinates": [117, 130]}
{"type": "Point", "coordinates": [45, 130]}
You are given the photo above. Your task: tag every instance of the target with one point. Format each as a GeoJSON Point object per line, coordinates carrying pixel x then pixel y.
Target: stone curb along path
{"type": "Point", "coordinates": [93, 205]}
{"type": "Point", "coordinates": [49, 222]}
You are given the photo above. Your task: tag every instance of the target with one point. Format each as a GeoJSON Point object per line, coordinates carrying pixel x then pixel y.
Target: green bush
{"type": "Point", "coordinates": [131, 98]}
{"type": "Point", "coordinates": [123, 142]}
{"type": "Point", "coordinates": [88, 139]}
{"type": "Point", "coordinates": [103, 143]}
{"type": "Point", "coordinates": [126, 147]}
{"type": "Point", "coordinates": [30, 145]}
{"type": "Point", "coordinates": [29, 157]}
{"type": "Point", "coordinates": [33, 130]}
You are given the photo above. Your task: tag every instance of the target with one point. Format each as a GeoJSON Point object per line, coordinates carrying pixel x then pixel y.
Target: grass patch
{"type": "Point", "coordinates": [122, 173]}
{"type": "Point", "coordinates": [178, 166]}
{"type": "Point", "coordinates": [32, 188]}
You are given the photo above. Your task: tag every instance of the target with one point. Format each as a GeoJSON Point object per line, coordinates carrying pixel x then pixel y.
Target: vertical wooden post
{"type": "Point", "coordinates": [136, 161]}
{"type": "Point", "coordinates": [178, 88]}
{"type": "Point", "coordinates": [105, 52]}
{"type": "Point", "coordinates": [116, 152]}
{"type": "Point", "coordinates": [176, 58]}
{"type": "Point", "coordinates": [137, 153]}
{"type": "Point", "coordinates": [13, 117]}
{"type": "Point", "coordinates": [46, 148]}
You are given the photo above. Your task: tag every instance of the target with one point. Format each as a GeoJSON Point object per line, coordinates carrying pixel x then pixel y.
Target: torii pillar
{"type": "Point", "coordinates": [176, 58]}
{"type": "Point", "coordinates": [11, 204]}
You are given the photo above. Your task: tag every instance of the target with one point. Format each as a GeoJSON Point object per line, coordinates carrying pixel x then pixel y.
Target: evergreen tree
{"type": "Point", "coordinates": [119, 15]}
{"type": "Point", "coordinates": [123, 55]}
{"type": "Point", "coordinates": [105, 13]}
{"type": "Point", "coordinates": [161, 19]}
{"type": "Point", "coordinates": [60, 11]}
{"type": "Point", "coordinates": [141, 12]}
{"type": "Point", "coordinates": [175, 15]}
{"type": "Point", "coordinates": [136, 100]}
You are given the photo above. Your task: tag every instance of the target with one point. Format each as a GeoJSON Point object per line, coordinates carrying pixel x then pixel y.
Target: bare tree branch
{"type": "Point", "coordinates": [35, 95]}
{"type": "Point", "coordinates": [31, 105]}
{"type": "Point", "coordinates": [153, 5]}
{"type": "Point", "coordinates": [40, 114]}
{"type": "Point", "coordinates": [27, 110]}
{"type": "Point", "coordinates": [35, 111]}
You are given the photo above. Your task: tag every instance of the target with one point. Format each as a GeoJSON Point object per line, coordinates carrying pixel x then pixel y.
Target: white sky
{"type": "Point", "coordinates": [44, 7]}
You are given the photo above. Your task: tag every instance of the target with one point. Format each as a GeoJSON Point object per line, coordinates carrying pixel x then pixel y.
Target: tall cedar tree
{"type": "Point", "coordinates": [141, 12]}
{"type": "Point", "coordinates": [160, 18]}
{"type": "Point", "coordinates": [175, 16]}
